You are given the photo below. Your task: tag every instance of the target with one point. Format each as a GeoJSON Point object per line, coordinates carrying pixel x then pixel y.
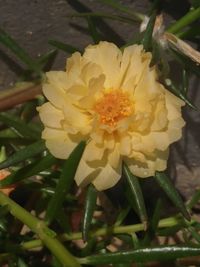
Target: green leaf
{"type": "Point", "coordinates": [118, 6]}
{"type": "Point", "coordinates": [186, 62]}
{"type": "Point", "coordinates": [63, 221]}
{"type": "Point", "coordinates": [28, 111]}
{"type": "Point", "coordinates": [179, 93]}
{"type": "Point", "coordinates": [194, 233]}
{"type": "Point", "coordinates": [153, 225]}
{"type": "Point", "coordinates": [21, 263]}
{"type": "Point", "coordinates": [194, 200]}
{"type": "Point", "coordinates": [190, 33]}
{"type": "Point", "coordinates": [167, 185]}
{"type": "Point", "coordinates": [47, 58]}
{"type": "Point", "coordinates": [65, 182]}
{"type": "Point", "coordinates": [121, 18]}
{"type": "Point", "coordinates": [160, 253]}
{"type": "Point", "coordinates": [195, 3]}
{"type": "Point", "coordinates": [136, 194]}
{"type": "Point", "coordinates": [4, 210]}
{"type": "Point", "coordinates": [23, 154]}
{"type": "Point", "coordinates": [93, 30]}
{"type": "Point", "coordinates": [190, 17]}
{"type": "Point", "coordinates": [19, 52]}
{"type": "Point", "coordinates": [147, 38]}
{"type": "Point", "coordinates": [122, 215]}
{"type": "Point", "coordinates": [90, 205]}
{"type": "Point", "coordinates": [64, 47]}
{"type": "Point", "coordinates": [185, 81]}
{"type": "Point", "coordinates": [29, 170]}
{"type": "Point", "coordinates": [87, 250]}
{"type": "Point", "coordinates": [2, 154]}
{"type": "Point", "coordinates": [24, 129]}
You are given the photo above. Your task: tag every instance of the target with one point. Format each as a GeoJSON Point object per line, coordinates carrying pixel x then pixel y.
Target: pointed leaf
{"type": "Point", "coordinates": [167, 185]}
{"type": "Point", "coordinates": [147, 39]}
{"type": "Point", "coordinates": [136, 194]}
{"type": "Point", "coordinates": [93, 30]}
{"type": "Point", "coordinates": [194, 200]}
{"type": "Point", "coordinates": [122, 215]}
{"type": "Point", "coordinates": [172, 88]}
{"type": "Point", "coordinates": [47, 58]}
{"type": "Point", "coordinates": [19, 52]}
{"type": "Point", "coordinates": [20, 126]}
{"type": "Point", "coordinates": [186, 62]}
{"type": "Point", "coordinates": [117, 5]}
{"type": "Point", "coordinates": [160, 253]}
{"type": "Point", "coordinates": [29, 170]}
{"type": "Point", "coordinates": [190, 17]}
{"type": "Point", "coordinates": [63, 46]}
{"type": "Point", "coordinates": [121, 18]}
{"type": "Point", "coordinates": [185, 81]}
{"type": "Point", "coordinates": [65, 182]}
{"type": "Point", "coordinates": [194, 233]}
{"type": "Point", "coordinates": [90, 205]}
{"type": "Point", "coordinates": [23, 154]}
{"type": "Point", "coordinates": [153, 225]}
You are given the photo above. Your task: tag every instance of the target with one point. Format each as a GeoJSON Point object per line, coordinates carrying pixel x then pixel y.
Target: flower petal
{"type": "Point", "coordinates": [108, 57]}
{"type": "Point", "coordinates": [50, 116]}
{"type": "Point", "coordinates": [58, 143]}
{"type": "Point", "coordinates": [108, 177]}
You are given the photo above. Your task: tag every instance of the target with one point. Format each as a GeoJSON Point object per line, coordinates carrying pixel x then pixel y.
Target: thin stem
{"type": "Point", "coordinates": [128, 229]}
{"type": "Point", "coordinates": [19, 94]}
{"type": "Point", "coordinates": [190, 17]}
{"type": "Point", "coordinates": [46, 235]}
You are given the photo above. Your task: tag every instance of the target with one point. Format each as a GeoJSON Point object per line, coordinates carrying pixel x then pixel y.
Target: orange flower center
{"type": "Point", "coordinates": [114, 106]}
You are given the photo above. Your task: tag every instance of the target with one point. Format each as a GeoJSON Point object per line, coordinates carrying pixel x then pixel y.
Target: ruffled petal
{"type": "Point", "coordinates": [133, 63]}
{"type": "Point", "coordinates": [108, 57]}
{"type": "Point", "coordinates": [50, 116]}
{"type": "Point", "coordinates": [108, 177]}
{"type": "Point", "coordinates": [58, 143]}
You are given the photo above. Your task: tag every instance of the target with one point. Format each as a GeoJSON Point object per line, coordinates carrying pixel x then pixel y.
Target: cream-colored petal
{"type": "Point", "coordinates": [58, 143]}
{"type": "Point", "coordinates": [93, 151]}
{"type": "Point", "coordinates": [57, 79]}
{"type": "Point", "coordinates": [133, 63]}
{"type": "Point", "coordinates": [56, 96]}
{"type": "Point", "coordinates": [90, 71]}
{"type": "Point", "coordinates": [173, 105]}
{"type": "Point", "coordinates": [94, 87]}
{"type": "Point", "coordinates": [107, 178]}
{"type": "Point", "coordinates": [147, 168]}
{"type": "Point", "coordinates": [73, 70]}
{"type": "Point", "coordinates": [175, 129]}
{"type": "Point", "coordinates": [85, 174]}
{"type": "Point", "coordinates": [125, 145]}
{"type": "Point", "coordinates": [114, 157]}
{"type": "Point", "coordinates": [107, 56]}
{"type": "Point", "coordinates": [147, 88]}
{"type": "Point", "coordinates": [76, 118]}
{"type": "Point", "coordinates": [50, 116]}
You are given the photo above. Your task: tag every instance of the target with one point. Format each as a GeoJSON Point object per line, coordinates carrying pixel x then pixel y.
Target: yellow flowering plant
{"type": "Point", "coordinates": [112, 99]}
{"type": "Point", "coordinates": [79, 141]}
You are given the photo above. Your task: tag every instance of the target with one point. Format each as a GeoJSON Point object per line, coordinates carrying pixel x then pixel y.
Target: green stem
{"type": "Point", "coordinates": [190, 17]}
{"type": "Point", "coordinates": [128, 229]}
{"type": "Point", "coordinates": [46, 235]}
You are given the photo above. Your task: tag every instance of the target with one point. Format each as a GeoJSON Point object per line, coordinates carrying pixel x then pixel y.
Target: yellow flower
{"type": "Point", "coordinates": [112, 99]}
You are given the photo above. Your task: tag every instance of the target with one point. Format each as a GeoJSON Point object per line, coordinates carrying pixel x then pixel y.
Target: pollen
{"type": "Point", "coordinates": [113, 106]}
